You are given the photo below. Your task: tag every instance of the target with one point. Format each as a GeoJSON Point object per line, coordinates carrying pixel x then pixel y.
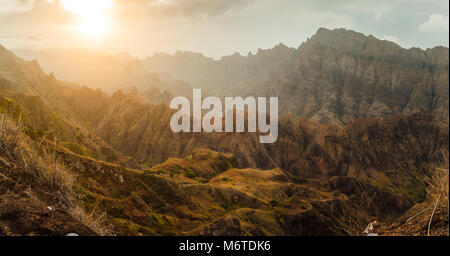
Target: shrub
{"type": "Point", "coordinates": [437, 191]}
{"type": "Point", "coordinates": [45, 178]}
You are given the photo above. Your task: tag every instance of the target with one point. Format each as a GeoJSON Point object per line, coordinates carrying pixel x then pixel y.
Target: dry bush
{"type": "Point", "coordinates": [9, 140]}
{"type": "Point", "coordinates": [97, 222]}
{"type": "Point", "coordinates": [438, 189]}
{"type": "Point", "coordinates": [45, 178]}
{"type": "Point", "coordinates": [348, 219]}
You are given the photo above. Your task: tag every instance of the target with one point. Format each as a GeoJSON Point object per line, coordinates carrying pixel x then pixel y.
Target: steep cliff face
{"type": "Point", "coordinates": [332, 78]}
{"type": "Point", "coordinates": [341, 75]}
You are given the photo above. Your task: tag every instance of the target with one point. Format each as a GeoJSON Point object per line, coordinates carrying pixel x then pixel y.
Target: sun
{"type": "Point", "coordinates": [93, 26]}
{"type": "Point", "coordinates": [93, 15]}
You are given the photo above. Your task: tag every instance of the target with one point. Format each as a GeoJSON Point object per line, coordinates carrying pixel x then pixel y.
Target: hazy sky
{"type": "Point", "coordinates": [213, 27]}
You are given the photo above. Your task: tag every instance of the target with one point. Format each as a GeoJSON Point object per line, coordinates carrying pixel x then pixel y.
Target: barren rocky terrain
{"type": "Point", "coordinates": [363, 134]}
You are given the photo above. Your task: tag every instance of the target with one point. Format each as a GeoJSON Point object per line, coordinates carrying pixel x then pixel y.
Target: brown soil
{"type": "Point", "coordinates": [31, 217]}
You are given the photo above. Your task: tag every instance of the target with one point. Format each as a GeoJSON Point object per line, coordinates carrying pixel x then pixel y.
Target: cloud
{"type": "Point", "coordinates": [189, 8]}
{"type": "Point", "coordinates": [333, 20]}
{"type": "Point", "coordinates": [382, 10]}
{"type": "Point", "coordinates": [435, 23]}
{"type": "Point", "coordinates": [221, 27]}
{"type": "Point", "coordinates": [34, 12]}
{"type": "Point", "coordinates": [15, 6]}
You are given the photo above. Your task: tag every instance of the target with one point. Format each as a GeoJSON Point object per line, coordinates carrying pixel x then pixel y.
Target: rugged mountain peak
{"type": "Point", "coordinates": [367, 168]}
{"type": "Point", "coordinates": [355, 43]}
{"type": "Point", "coordinates": [281, 47]}
{"type": "Point", "coordinates": [27, 76]}
{"type": "Point", "coordinates": [339, 75]}
{"type": "Point", "coordinates": [233, 58]}
{"type": "Point", "coordinates": [349, 40]}
{"type": "Point", "coordinates": [438, 56]}
{"type": "Point", "coordinates": [191, 55]}
{"type": "Point", "coordinates": [6, 55]}
{"type": "Point", "coordinates": [278, 50]}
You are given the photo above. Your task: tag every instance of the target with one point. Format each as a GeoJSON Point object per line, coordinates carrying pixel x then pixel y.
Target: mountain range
{"type": "Point", "coordinates": [361, 120]}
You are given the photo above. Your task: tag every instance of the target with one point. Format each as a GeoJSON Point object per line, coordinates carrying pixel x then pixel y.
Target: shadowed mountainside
{"type": "Point", "coordinates": [305, 149]}
{"type": "Point", "coordinates": [341, 75]}
{"type": "Point", "coordinates": [315, 180]}
{"type": "Point", "coordinates": [332, 78]}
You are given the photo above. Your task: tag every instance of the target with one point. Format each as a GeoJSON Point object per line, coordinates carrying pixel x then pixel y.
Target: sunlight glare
{"type": "Point", "coordinates": [93, 15]}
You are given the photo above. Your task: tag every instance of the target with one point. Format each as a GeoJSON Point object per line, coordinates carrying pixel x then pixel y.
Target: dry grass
{"type": "Point", "coordinates": [97, 222]}
{"type": "Point", "coordinates": [431, 217]}
{"type": "Point", "coordinates": [43, 176]}
{"type": "Point", "coordinates": [437, 191]}
{"type": "Point", "coordinates": [9, 141]}
{"type": "Point", "coordinates": [347, 219]}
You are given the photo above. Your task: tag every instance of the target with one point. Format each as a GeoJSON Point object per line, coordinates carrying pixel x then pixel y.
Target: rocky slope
{"type": "Point", "coordinates": [427, 218]}
{"type": "Point", "coordinates": [332, 78]}
{"type": "Point", "coordinates": [35, 100]}
{"type": "Point", "coordinates": [305, 149]}
{"type": "Point", "coordinates": [233, 75]}
{"type": "Point", "coordinates": [36, 196]}
{"type": "Point", "coordinates": [315, 180]}
{"type": "Point", "coordinates": [341, 75]}
{"type": "Point", "coordinates": [108, 73]}
{"type": "Point", "coordinates": [204, 194]}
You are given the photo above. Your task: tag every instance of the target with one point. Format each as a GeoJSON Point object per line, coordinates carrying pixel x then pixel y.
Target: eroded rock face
{"type": "Point", "coordinates": [334, 77]}
{"type": "Point", "coordinates": [370, 94]}
{"type": "Point", "coordinates": [303, 148]}
{"type": "Point", "coordinates": [341, 75]}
